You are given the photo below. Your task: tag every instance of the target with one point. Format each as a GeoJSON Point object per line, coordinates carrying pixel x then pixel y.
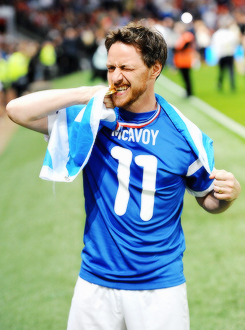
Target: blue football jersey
{"type": "Point", "coordinates": [134, 184]}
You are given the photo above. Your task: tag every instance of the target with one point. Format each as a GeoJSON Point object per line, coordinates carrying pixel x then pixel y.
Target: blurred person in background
{"type": "Point", "coordinates": [239, 15]}
{"type": "Point", "coordinates": [48, 59]}
{"type": "Point", "coordinates": [18, 62]}
{"type": "Point", "coordinates": [203, 38]}
{"type": "Point", "coordinates": [99, 58]}
{"type": "Point", "coordinates": [71, 47]}
{"type": "Point", "coordinates": [224, 43]}
{"type": "Point", "coordinates": [209, 15]}
{"type": "Point", "coordinates": [34, 71]}
{"type": "Point", "coordinates": [184, 54]}
{"type": "Point", "coordinates": [88, 37]}
{"type": "Point", "coordinates": [166, 28]}
{"type": "Point", "coordinates": [99, 68]}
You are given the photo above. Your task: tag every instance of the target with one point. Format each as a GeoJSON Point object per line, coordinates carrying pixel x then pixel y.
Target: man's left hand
{"type": "Point", "coordinates": [226, 187]}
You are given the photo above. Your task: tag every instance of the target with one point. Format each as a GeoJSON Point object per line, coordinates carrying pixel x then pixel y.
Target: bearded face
{"type": "Point", "coordinates": [128, 74]}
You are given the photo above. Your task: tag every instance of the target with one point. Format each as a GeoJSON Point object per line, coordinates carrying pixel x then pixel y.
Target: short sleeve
{"type": "Point", "coordinates": [197, 179]}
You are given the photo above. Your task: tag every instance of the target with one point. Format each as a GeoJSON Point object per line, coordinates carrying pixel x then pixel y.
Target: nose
{"type": "Point", "coordinates": [116, 76]}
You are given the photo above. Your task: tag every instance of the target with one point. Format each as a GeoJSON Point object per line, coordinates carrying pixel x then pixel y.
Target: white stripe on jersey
{"type": "Point", "coordinates": [194, 167]}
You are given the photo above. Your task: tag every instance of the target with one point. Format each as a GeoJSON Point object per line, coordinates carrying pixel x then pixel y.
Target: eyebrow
{"type": "Point", "coordinates": [126, 65]}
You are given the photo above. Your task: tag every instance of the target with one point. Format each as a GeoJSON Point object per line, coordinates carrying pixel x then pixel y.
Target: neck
{"type": "Point", "coordinates": [145, 105]}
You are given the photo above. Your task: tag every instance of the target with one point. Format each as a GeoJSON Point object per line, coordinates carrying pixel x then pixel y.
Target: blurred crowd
{"type": "Point", "coordinates": [64, 36]}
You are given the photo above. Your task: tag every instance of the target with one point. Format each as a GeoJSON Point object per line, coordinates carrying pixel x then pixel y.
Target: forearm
{"type": "Point", "coordinates": [212, 204]}
{"type": "Point", "coordinates": [28, 109]}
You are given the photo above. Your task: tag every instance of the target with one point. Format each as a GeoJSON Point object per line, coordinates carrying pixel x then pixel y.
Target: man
{"type": "Point", "coordinates": [184, 55]}
{"type": "Point", "coordinates": [134, 182]}
{"type": "Point", "coordinates": [224, 42]}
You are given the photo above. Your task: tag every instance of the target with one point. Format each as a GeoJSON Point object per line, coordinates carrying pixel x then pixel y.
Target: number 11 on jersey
{"type": "Point", "coordinates": [149, 164]}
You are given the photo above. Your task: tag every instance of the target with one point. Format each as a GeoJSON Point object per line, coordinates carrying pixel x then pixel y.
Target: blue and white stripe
{"type": "Point", "coordinates": [72, 138]}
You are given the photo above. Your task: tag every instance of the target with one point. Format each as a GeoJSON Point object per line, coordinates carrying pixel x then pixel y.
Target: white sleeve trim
{"type": "Point", "coordinates": [200, 193]}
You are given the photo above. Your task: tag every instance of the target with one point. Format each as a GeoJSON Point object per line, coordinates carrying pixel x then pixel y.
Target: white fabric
{"type": "Point", "coordinates": [96, 307]}
{"type": "Point", "coordinates": [60, 164]}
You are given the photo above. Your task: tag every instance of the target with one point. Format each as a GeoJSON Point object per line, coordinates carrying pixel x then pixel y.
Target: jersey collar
{"type": "Point", "coordinates": [142, 124]}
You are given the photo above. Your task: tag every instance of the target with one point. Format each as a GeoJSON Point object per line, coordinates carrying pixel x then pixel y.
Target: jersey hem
{"type": "Point", "coordinates": [132, 286]}
{"type": "Point", "coordinates": [200, 193]}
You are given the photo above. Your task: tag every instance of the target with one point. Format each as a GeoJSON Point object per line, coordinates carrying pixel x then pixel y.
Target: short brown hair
{"type": "Point", "coordinates": [147, 40]}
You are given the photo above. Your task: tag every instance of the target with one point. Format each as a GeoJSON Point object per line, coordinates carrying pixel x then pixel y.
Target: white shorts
{"type": "Point", "coordinates": [99, 308]}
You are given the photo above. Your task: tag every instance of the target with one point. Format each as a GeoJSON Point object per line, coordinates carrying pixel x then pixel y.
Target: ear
{"type": "Point", "coordinates": [156, 70]}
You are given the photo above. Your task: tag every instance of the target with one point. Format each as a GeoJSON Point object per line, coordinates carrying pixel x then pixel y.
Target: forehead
{"type": "Point", "coordinates": [122, 54]}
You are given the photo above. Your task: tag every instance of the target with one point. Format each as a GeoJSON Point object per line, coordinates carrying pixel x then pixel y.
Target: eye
{"type": "Point", "coordinates": [110, 68]}
{"type": "Point", "coordinates": [126, 68]}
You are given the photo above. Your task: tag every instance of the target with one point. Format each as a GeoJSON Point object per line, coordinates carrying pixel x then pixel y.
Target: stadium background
{"type": "Point", "coordinates": [41, 223]}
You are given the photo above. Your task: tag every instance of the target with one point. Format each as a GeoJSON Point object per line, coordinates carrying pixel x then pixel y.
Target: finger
{"type": "Point", "coordinates": [228, 192]}
{"type": "Point", "coordinates": [108, 102]}
{"type": "Point", "coordinates": [222, 175]}
{"type": "Point", "coordinates": [221, 196]}
{"type": "Point", "coordinates": [213, 173]}
{"type": "Point", "coordinates": [220, 189]}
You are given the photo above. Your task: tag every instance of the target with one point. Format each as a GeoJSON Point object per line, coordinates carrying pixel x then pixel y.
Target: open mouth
{"type": "Point", "coordinates": [122, 89]}
{"type": "Point", "coordinates": [113, 90]}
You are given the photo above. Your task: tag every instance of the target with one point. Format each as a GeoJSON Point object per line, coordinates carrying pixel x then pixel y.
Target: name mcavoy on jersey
{"type": "Point", "coordinates": [147, 136]}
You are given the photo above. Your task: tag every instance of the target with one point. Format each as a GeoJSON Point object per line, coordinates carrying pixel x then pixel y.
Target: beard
{"type": "Point", "coordinates": [129, 100]}
{"type": "Point", "coordinates": [134, 94]}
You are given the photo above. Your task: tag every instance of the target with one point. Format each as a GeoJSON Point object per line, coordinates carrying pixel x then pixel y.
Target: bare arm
{"type": "Point", "coordinates": [32, 110]}
{"type": "Point", "coordinates": [226, 191]}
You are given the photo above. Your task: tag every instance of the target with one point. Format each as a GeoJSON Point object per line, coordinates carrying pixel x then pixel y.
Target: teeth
{"type": "Point", "coordinates": [121, 89]}
{"type": "Point", "coordinates": [114, 90]}
{"type": "Point", "coordinates": [110, 92]}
